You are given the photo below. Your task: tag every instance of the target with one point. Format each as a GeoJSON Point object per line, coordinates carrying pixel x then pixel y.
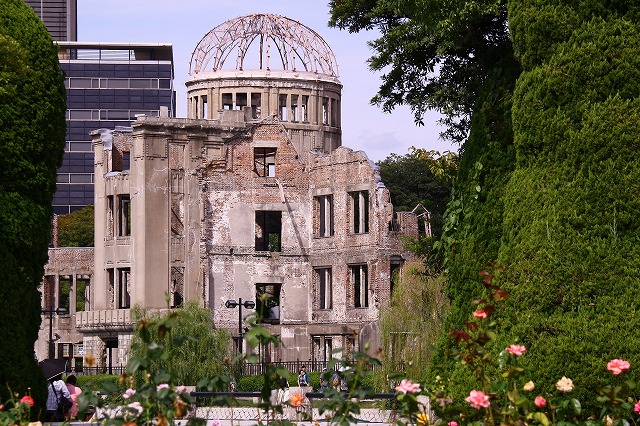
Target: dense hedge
{"type": "Point", "coordinates": [473, 221]}
{"type": "Point", "coordinates": [32, 138]}
{"type": "Point", "coordinates": [571, 225]}
{"type": "Point", "coordinates": [562, 213]}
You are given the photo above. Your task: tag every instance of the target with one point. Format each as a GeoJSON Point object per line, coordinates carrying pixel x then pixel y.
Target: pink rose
{"type": "Point", "coordinates": [516, 350]}
{"type": "Point", "coordinates": [407, 386]}
{"type": "Point", "coordinates": [477, 399]}
{"type": "Point", "coordinates": [27, 400]}
{"type": "Point", "coordinates": [618, 366]}
{"type": "Point", "coordinates": [636, 407]}
{"type": "Point", "coordinates": [452, 423]}
{"type": "Point", "coordinates": [128, 393]}
{"type": "Point", "coordinates": [480, 313]}
{"type": "Point", "coordinates": [162, 386]}
{"type": "Point", "coordinates": [540, 401]}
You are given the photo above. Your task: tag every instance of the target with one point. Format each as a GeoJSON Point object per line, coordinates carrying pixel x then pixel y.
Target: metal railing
{"type": "Point", "coordinates": [248, 369]}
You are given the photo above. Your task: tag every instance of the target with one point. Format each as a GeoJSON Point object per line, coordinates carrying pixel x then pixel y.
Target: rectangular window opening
{"type": "Point", "coordinates": [227, 101]}
{"type": "Point", "coordinates": [323, 290]}
{"type": "Point", "coordinates": [325, 110]}
{"type": "Point", "coordinates": [124, 216]}
{"type": "Point", "coordinates": [256, 105]}
{"type": "Point", "coordinates": [82, 295]}
{"type": "Point", "coordinates": [360, 287]}
{"type": "Point", "coordinates": [294, 108]}
{"type": "Point", "coordinates": [268, 231]}
{"type": "Point", "coordinates": [64, 293]}
{"type": "Point", "coordinates": [359, 212]}
{"type": "Point", "coordinates": [241, 101]}
{"type": "Point", "coordinates": [205, 107]}
{"type": "Point", "coordinates": [264, 162]}
{"type": "Point", "coordinates": [282, 107]}
{"type": "Point", "coordinates": [268, 303]}
{"type": "Point", "coordinates": [124, 288]}
{"type": "Point", "coordinates": [305, 109]}
{"type": "Point", "coordinates": [325, 215]}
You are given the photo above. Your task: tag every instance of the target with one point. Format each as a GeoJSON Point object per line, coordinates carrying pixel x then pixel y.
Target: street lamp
{"type": "Point", "coordinates": [232, 304]}
{"type": "Point", "coordinates": [51, 311]}
{"type": "Point", "coordinates": [58, 311]}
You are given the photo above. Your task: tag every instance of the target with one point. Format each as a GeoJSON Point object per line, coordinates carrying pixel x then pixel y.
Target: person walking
{"type": "Point", "coordinates": [303, 377]}
{"type": "Point", "coordinates": [74, 391]}
{"type": "Point", "coordinates": [55, 391]}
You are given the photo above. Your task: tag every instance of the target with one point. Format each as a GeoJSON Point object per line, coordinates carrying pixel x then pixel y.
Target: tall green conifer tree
{"type": "Point", "coordinates": [32, 138]}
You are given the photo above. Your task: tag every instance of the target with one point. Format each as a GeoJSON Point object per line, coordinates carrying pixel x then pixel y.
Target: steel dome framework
{"type": "Point", "coordinates": [298, 47]}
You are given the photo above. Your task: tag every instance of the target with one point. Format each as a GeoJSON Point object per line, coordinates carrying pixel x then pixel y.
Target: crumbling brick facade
{"type": "Point", "coordinates": [207, 224]}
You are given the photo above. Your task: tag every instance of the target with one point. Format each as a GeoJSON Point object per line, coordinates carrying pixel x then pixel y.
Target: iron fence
{"type": "Point", "coordinates": [247, 369]}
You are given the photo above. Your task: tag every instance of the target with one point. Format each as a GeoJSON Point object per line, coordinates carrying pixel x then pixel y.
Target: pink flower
{"type": "Point", "coordinates": [181, 389]}
{"type": "Point", "coordinates": [516, 350]}
{"type": "Point", "coordinates": [136, 406]}
{"type": "Point", "coordinates": [162, 386]}
{"type": "Point", "coordinates": [407, 386]}
{"type": "Point", "coordinates": [452, 423]}
{"type": "Point", "coordinates": [27, 400]}
{"type": "Point", "coordinates": [540, 401]}
{"type": "Point", "coordinates": [618, 366]}
{"type": "Point", "coordinates": [480, 313]}
{"type": "Point", "coordinates": [128, 393]}
{"type": "Point", "coordinates": [477, 399]}
{"type": "Point", "coordinates": [636, 407]}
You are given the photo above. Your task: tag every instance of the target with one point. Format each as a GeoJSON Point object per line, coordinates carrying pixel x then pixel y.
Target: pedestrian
{"type": "Point", "coordinates": [324, 383]}
{"type": "Point", "coordinates": [74, 391]}
{"type": "Point", "coordinates": [303, 377]}
{"type": "Point", "coordinates": [56, 390]}
{"type": "Point", "coordinates": [283, 391]}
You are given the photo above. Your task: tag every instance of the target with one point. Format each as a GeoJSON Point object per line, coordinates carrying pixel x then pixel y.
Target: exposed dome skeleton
{"type": "Point", "coordinates": [298, 46]}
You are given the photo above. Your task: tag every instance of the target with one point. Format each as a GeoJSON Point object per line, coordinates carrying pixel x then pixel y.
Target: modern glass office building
{"type": "Point", "coordinates": [108, 85]}
{"type": "Point", "coordinates": [59, 16]}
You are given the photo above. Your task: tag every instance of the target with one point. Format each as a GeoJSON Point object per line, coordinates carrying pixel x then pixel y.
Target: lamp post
{"type": "Point", "coordinates": [51, 311]}
{"type": "Point", "coordinates": [58, 311]}
{"type": "Point", "coordinates": [232, 304]}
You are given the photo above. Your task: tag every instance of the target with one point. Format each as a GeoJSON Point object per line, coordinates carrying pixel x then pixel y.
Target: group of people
{"type": "Point", "coordinates": [57, 389]}
{"type": "Point", "coordinates": [337, 382]}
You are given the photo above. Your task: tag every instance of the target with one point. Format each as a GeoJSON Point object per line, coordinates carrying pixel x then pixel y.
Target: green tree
{"type": "Point", "coordinates": [434, 54]}
{"type": "Point", "coordinates": [76, 229]}
{"type": "Point", "coordinates": [412, 324]}
{"type": "Point", "coordinates": [32, 138]}
{"type": "Point", "coordinates": [557, 205]}
{"type": "Point", "coordinates": [571, 204]}
{"type": "Point", "coordinates": [412, 181]}
{"type": "Point", "coordinates": [421, 181]}
{"type": "Point", "coordinates": [194, 348]}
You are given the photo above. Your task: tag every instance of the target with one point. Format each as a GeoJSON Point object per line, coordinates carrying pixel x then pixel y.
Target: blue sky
{"type": "Point", "coordinates": [184, 23]}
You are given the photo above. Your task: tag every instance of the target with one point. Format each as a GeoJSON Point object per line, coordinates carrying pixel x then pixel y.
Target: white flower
{"type": "Point", "coordinates": [564, 385]}
{"type": "Point", "coordinates": [529, 386]}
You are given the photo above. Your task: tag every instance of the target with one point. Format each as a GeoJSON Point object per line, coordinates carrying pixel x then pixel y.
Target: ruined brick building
{"type": "Point", "coordinates": [251, 197]}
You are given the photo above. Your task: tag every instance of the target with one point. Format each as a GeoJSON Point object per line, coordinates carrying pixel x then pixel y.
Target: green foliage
{"type": "Point", "coordinates": [76, 229]}
{"type": "Point", "coordinates": [250, 383]}
{"type": "Point", "coordinates": [195, 349]}
{"type": "Point", "coordinates": [414, 179]}
{"type": "Point", "coordinates": [32, 138]}
{"type": "Point", "coordinates": [434, 54]}
{"type": "Point", "coordinates": [95, 383]}
{"type": "Point", "coordinates": [411, 325]}
{"type": "Point", "coordinates": [561, 213]}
